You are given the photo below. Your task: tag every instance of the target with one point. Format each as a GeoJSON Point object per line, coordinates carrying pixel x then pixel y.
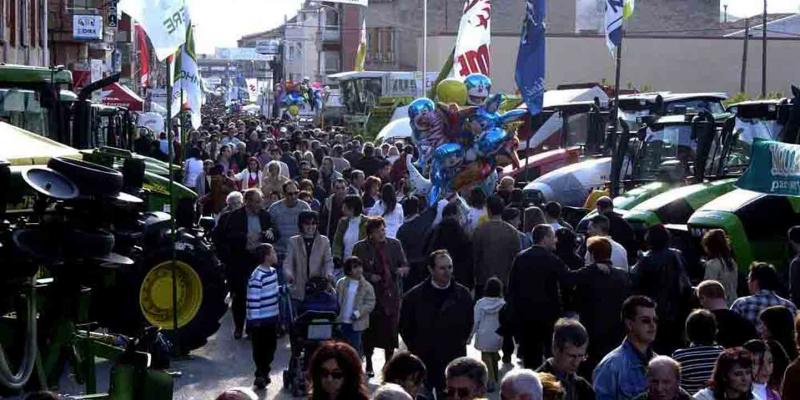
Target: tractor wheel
{"type": "Point", "coordinates": [200, 295]}
{"type": "Point", "coordinates": [91, 179]}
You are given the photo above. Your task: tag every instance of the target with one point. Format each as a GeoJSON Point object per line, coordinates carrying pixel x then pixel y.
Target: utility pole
{"type": "Point", "coordinates": [764, 52]}
{"type": "Point", "coordinates": [424, 46]}
{"type": "Point", "coordinates": [725, 15]}
{"type": "Point", "coordinates": [743, 82]}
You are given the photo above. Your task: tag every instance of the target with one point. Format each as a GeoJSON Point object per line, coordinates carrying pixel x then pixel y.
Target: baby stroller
{"type": "Point", "coordinates": [311, 324]}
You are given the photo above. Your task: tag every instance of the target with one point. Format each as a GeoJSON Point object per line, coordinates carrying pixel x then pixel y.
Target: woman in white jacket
{"type": "Point", "coordinates": [251, 177]}
{"type": "Point", "coordinates": [388, 208]}
{"type": "Point", "coordinates": [487, 320]}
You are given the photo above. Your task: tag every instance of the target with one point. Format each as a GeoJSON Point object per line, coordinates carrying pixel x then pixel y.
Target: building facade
{"type": "Point", "coordinates": [23, 32]}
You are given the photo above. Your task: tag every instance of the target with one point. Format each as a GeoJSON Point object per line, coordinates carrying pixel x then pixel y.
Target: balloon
{"type": "Point", "coordinates": [427, 127]}
{"type": "Point", "coordinates": [419, 106]}
{"type": "Point", "coordinates": [294, 110]}
{"type": "Point", "coordinates": [452, 91]}
{"type": "Point", "coordinates": [478, 88]}
{"type": "Point", "coordinates": [490, 142]}
{"type": "Point", "coordinates": [446, 160]}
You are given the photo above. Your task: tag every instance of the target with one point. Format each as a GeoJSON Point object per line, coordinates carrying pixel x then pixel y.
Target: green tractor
{"type": "Point", "coordinates": [756, 222]}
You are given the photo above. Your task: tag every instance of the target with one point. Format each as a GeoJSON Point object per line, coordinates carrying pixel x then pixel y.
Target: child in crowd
{"type": "Point", "coordinates": [487, 320]}
{"type": "Point", "coordinates": [356, 302]}
{"type": "Point", "coordinates": [262, 312]}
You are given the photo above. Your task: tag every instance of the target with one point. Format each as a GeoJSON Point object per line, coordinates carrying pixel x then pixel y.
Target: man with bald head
{"type": "Point", "coordinates": [521, 384]}
{"type": "Point", "coordinates": [663, 380]}
{"type": "Point", "coordinates": [619, 229]}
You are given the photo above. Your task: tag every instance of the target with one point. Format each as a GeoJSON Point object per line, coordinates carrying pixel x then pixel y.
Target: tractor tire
{"type": "Point", "coordinates": [141, 294]}
{"type": "Point", "coordinates": [194, 332]}
{"type": "Point", "coordinates": [91, 179]}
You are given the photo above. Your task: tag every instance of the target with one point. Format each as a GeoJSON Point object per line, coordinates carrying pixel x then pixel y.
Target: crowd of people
{"type": "Point", "coordinates": [588, 318]}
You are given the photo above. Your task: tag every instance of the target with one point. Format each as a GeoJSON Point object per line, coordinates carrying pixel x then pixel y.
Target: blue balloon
{"type": "Point", "coordinates": [479, 86]}
{"type": "Point", "coordinates": [491, 141]}
{"type": "Point", "coordinates": [446, 160]}
{"type": "Point", "coordinates": [419, 106]}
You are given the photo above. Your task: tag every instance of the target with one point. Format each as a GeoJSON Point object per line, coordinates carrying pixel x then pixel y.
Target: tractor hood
{"type": "Point", "coordinates": [542, 163]}
{"type": "Point", "coordinates": [677, 205]}
{"type": "Point", "coordinates": [634, 197]}
{"type": "Point", "coordinates": [571, 184]}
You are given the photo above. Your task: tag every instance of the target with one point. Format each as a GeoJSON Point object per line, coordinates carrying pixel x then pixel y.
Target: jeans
{"type": "Point", "coordinates": [353, 337]}
{"type": "Point", "coordinates": [264, 340]}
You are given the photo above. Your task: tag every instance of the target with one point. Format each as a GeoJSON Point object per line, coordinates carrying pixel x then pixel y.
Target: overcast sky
{"type": "Point", "coordinates": [221, 23]}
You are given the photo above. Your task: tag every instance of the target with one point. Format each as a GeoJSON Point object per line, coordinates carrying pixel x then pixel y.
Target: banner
{"type": "Point", "coordinates": [474, 35]}
{"type": "Point", "coordinates": [361, 54]}
{"type": "Point", "coordinates": [362, 3]}
{"type": "Point", "coordinates": [165, 22]}
{"type": "Point", "coordinates": [774, 169]}
{"type": "Point", "coordinates": [144, 56]}
{"type": "Point", "coordinates": [530, 70]}
{"type": "Point", "coordinates": [187, 80]}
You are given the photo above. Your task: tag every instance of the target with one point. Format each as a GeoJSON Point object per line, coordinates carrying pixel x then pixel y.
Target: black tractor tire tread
{"type": "Point", "coordinates": [91, 179]}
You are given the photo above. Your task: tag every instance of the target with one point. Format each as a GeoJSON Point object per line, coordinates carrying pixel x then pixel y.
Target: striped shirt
{"type": "Point", "coordinates": [262, 296]}
{"type": "Point", "coordinates": [697, 364]}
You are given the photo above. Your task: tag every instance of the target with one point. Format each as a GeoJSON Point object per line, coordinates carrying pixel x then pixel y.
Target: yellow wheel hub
{"type": "Point", "coordinates": [155, 294]}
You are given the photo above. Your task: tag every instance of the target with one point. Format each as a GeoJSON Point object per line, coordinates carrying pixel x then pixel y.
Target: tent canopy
{"type": "Point", "coordinates": [119, 95]}
{"type": "Point", "coordinates": [21, 147]}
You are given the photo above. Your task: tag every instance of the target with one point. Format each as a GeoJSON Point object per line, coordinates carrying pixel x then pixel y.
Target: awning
{"type": "Point", "coordinates": [121, 96]}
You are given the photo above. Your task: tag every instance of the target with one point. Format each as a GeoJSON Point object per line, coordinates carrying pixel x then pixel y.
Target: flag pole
{"type": "Point", "coordinates": [173, 225]}
{"type": "Point", "coordinates": [615, 124]}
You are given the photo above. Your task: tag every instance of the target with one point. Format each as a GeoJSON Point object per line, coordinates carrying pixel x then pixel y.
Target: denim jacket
{"type": "Point", "coordinates": [621, 375]}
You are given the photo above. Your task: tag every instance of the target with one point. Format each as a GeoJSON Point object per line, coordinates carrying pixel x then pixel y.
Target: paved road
{"type": "Point", "coordinates": [224, 363]}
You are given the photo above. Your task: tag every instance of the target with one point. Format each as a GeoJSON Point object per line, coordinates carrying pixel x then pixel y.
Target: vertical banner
{"type": "Point", "coordinates": [474, 37]}
{"type": "Point", "coordinates": [165, 22]}
{"type": "Point", "coordinates": [616, 12]}
{"type": "Point", "coordinates": [530, 70]}
{"type": "Point", "coordinates": [144, 56]}
{"type": "Point", "coordinates": [187, 81]}
{"type": "Point", "coordinates": [361, 54]}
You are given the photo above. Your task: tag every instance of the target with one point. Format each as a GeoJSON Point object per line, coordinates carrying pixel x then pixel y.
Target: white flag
{"type": "Point", "coordinates": [474, 36]}
{"type": "Point", "coordinates": [164, 21]}
{"type": "Point", "coordinates": [187, 85]}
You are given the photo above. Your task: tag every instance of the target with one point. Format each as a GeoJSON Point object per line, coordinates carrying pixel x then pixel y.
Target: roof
{"type": "Point", "coordinates": [778, 25]}
{"type": "Point", "coordinates": [21, 147]}
{"type": "Point", "coordinates": [29, 74]}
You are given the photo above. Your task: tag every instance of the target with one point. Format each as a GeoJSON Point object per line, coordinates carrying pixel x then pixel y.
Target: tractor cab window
{"type": "Point", "coordinates": [696, 105]}
{"type": "Point", "coordinates": [665, 143]}
{"type": "Point", "coordinates": [22, 108]}
{"type": "Point", "coordinates": [360, 95]}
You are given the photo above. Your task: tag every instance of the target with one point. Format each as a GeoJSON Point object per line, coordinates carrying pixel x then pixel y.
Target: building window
{"type": "Point", "coordinates": [380, 45]}
{"type": "Point", "coordinates": [83, 4]}
{"type": "Point", "coordinates": [24, 12]}
{"type": "Point", "coordinates": [12, 23]}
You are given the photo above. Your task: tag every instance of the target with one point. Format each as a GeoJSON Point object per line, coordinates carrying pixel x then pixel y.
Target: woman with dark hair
{"type": "Point", "coordinates": [335, 373]}
{"type": "Point", "coordinates": [763, 370]}
{"type": "Point", "coordinates": [778, 324]}
{"type": "Point", "coordinates": [192, 168]}
{"type": "Point", "coordinates": [251, 177]}
{"type": "Point", "coordinates": [450, 236]}
{"type": "Point", "coordinates": [567, 248]}
{"type": "Point", "coordinates": [408, 371]}
{"type": "Point", "coordinates": [732, 378]}
{"type": "Point", "coordinates": [308, 256]}
{"type": "Point", "coordinates": [720, 266]}
{"type": "Point", "coordinates": [371, 187]}
{"type": "Point", "coordinates": [388, 208]}
{"type": "Point", "coordinates": [351, 229]}
{"type": "Point", "coordinates": [661, 275]}
{"type": "Point", "coordinates": [477, 209]}
{"type": "Point", "coordinates": [384, 265]}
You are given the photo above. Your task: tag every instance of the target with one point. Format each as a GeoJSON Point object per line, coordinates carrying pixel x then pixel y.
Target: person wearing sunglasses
{"type": "Point", "coordinates": [284, 216]}
{"type": "Point", "coordinates": [466, 379]}
{"type": "Point", "coordinates": [308, 256]}
{"type": "Point", "coordinates": [335, 373]}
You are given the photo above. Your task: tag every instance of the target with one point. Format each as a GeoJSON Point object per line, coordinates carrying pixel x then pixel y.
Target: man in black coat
{"type": "Point", "coordinates": [436, 318]}
{"type": "Point", "coordinates": [240, 233]}
{"type": "Point", "coordinates": [570, 342]}
{"type": "Point", "coordinates": [534, 298]}
{"type": "Point", "coordinates": [413, 235]}
{"type": "Point", "coordinates": [619, 229]}
{"type": "Point", "coordinates": [370, 164]}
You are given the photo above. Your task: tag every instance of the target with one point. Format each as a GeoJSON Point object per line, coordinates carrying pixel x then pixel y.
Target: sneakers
{"type": "Point", "coordinates": [261, 383]}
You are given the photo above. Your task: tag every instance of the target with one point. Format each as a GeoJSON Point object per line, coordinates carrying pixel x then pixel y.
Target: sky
{"type": "Point", "coordinates": [221, 23]}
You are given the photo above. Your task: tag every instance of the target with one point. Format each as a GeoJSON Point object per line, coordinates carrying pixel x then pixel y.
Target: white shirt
{"type": "Point", "coordinates": [619, 256]}
{"type": "Point", "coordinates": [474, 218]}
{"type": "Point", "coordinates": [349, 300]}
{"type": "Point", "coordinates": [393, 219]}
{"type": "Point", "coordinates": [193, 167]}
{"type": "Point", "coordinates": [760, 391]}
{"type": "Point", "coordinates": [351, 236]}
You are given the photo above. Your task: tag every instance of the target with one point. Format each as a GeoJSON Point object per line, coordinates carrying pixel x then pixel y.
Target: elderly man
{"type": "Point", "coordinates": [466, 379]}
{"type": "Point", "coordinates": [391, 391]}
{"type": "Point", "coordinates": [521, 384]}
{"type": "Point", "coordinates": [663, 376]}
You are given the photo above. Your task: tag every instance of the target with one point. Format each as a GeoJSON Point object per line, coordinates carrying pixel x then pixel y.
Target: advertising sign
{"type": "Point", "coordinates": [774, 169]}
{"type": "Point", "coordinates": [472, 44]}
{"type": "Point", "coordinates": [87, 27]}
{"type": "Point", "coordinates": [267, 47]}
{"type": "Point", "coordinates": [239, 53]}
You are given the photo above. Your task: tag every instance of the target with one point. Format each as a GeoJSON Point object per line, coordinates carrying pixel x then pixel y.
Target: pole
{"type": "Point", "coordinates": [615, 123]}
{"type": "Point", "coordinates": [424, 45]}
{"type": "Point", "coordinates": [764, 52]}
{"type": "Point", "coordinates": [173, 237]}
{"type": "Point", "coordinates": [743, 82]}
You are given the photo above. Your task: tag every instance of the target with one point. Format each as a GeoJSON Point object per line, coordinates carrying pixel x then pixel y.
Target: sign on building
{"type": "Point", "coordinates": [87, 27]}
{"type": "Point", "coordinates": [239, 53]}
{"type": "Point", "coordinates": [112, 19]}
{"type": "Point", "coordinates": [267, 47]}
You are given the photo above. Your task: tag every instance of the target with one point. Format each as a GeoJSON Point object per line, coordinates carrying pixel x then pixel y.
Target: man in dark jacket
{"type": "Point", "coordinates": [370, 164]}
{"type": "Point", "coordinates": [243, 230]}
{"type": "Point", "coordinates": [570, 342]}
{"type": "Point", "coordinates": [332, 209]}
{"type": "Point", "coordinates": [436, 318]}
{"type": "Point", "coordinates": [619, 229]}
{"type": "Point", "coordinates": [413, 234]}
{"type": "Point", "coordinates": [535, 284]}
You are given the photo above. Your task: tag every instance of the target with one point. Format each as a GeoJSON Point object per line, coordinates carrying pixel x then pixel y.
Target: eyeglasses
{"type": "Point", "coordinates": [292, 193]}
{"type": "Point", "coordinates": [337, 375]}
{"type": "Point", "coordinates": [457, 393]}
